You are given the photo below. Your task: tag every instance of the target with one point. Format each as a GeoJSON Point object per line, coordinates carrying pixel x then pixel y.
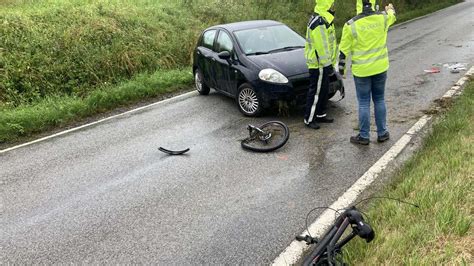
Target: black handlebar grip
{"type": "Point", "coordinates": [300, 238]}
{"type": "Point", "coordinates": [363, 229]}
{"type": "Point", "coordinates": [308, 239]}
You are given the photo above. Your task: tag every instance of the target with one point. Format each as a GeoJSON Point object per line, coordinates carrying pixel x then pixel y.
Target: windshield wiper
{"type": "Point", "coordinates": [257, 53]}
{"type": "Point", "coordinates": [287, 48]}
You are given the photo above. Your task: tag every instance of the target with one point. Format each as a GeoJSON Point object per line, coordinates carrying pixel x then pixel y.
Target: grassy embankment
{"type": "Point", "coordinates": [440, 179]}
{"type": "Point", "coordinates": [61, 61]}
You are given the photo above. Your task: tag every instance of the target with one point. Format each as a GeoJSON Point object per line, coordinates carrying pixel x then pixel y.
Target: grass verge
{"type": "Point", "coordinates": [440, 179]}
{"type": "Point", "coordinates": [52, 112]}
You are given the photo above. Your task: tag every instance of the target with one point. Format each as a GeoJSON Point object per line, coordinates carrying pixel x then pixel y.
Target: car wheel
{"type": "Point", "coordinates": [201, 87]}
{"type": "Point", "coordinates": [248, 100]}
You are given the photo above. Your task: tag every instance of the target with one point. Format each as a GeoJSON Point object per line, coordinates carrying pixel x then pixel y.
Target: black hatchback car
{"type": "Point", "coordinates": [255, 62]}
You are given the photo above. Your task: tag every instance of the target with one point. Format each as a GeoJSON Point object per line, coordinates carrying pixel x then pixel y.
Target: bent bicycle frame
{"type": "Point", "coordinates": [329, 246]}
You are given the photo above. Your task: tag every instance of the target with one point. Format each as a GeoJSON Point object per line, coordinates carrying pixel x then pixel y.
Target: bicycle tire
{"type": "Point", "coordinates": [280, 135]}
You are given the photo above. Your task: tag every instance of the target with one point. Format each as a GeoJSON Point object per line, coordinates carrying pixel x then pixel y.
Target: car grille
{"type": "Point", "coordinates": [300, 87]}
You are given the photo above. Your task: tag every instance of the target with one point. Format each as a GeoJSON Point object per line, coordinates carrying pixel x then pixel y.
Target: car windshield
{"type": "Point", "coordinates": [266, 40]}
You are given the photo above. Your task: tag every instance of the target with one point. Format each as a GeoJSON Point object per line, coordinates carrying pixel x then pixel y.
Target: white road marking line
{"type": "Point", "coordinates": [179, 97]}
{"type": "Point", "coordinates": [293, 253]}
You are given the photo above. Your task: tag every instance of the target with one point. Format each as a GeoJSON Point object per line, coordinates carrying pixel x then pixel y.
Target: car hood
{"type": "Point", "coordinates": [289, 63]}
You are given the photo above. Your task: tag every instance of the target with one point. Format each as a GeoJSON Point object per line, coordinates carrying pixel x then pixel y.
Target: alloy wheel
{"type": "Point", "coordinates": [248, 101]}
{"type": "Point", "coordinates": [198, 81]}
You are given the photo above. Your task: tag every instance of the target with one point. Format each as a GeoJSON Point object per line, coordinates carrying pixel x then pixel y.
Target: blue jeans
{"type": "Point", "coordinates": [366, 87]}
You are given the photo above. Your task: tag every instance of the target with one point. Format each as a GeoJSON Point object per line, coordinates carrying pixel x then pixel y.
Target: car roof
{"type": "Point", "coordinates": [245, 25]}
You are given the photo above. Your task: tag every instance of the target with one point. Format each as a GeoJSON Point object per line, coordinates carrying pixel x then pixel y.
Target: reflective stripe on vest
{"type": "Point", "coordinates": [315, 60]}
{"type": "Point", "coordinates": [370, 60]}
{"type": "Point", "coordinates": [372, 51]}
{"type": "Point", "coordinates": [322, 58]}
{"type": "Point", "coordinates": [354, 31]}
{"type": "Point", "coordinates": [325, 43]}
{"type": "Point", "coordinates": [310, 44]}
{"type": "Point", "coordinates": [328, 64]}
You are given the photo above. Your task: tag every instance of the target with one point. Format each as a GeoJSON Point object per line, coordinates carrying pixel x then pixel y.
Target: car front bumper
{"type": "Point", "coordinates": [294, 90]}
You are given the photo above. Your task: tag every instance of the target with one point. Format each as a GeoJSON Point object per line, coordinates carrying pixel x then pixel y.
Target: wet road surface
{"type": "Point", "coordinates": [105, 194]}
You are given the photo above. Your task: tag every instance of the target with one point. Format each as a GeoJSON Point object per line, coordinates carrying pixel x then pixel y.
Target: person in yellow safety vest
{"type": "Point", "coordinates": [321, 55]}
{"type": "Point", "coordinates": [364, 38]}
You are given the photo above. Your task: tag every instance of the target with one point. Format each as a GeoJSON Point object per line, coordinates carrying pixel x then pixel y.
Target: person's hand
{"type": "Point", "coordinates": [341, 71]}
{"type": "Point", "coordinates": [389, 7]}
{"type": "Point", "coordinates": [331, 71]}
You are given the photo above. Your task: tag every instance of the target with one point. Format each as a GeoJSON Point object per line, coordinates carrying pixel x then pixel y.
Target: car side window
{"type": "Point", "coordinates": [224, 42]}
{"type": "Point", "coordinates": [208, 39]}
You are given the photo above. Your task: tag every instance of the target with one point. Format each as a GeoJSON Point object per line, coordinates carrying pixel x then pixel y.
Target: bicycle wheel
{"type": "Point", "coordinates": [275, 135]}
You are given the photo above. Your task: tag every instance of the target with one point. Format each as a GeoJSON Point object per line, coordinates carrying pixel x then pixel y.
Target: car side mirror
{"type": "Point", "coordinates": [224, 55]}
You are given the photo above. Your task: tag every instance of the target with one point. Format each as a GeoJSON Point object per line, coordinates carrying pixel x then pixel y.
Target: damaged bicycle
{"type": "Point", "coordinates": [327, 250]}
{"type": "Point", "coordinates": [267, 137]}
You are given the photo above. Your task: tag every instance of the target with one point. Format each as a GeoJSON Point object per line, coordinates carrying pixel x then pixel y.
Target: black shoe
{"type": "Point", "coordinates": [359, 140]}
{"type": "Point", "coordinates": [324, 120]}
{"type": "Point", "coordinates": [384, 137]}
{"type": "Point", "coordinates": [313, 125]}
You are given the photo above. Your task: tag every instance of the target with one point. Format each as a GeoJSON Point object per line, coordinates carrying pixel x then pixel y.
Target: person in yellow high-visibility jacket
{"type": "Point", "coordinates": [364, 38]}
{"type": "Point", "coordinates": [321, 54]}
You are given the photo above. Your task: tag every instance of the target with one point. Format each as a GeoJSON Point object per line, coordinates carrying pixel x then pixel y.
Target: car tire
{"type": "Point", "coordinates": [199, 83]}
{"type": "Point", "coordinates": [249, 102]}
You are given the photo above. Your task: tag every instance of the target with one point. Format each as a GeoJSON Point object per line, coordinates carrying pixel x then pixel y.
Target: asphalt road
{"type": "Point", "coordinates": [105, 194]}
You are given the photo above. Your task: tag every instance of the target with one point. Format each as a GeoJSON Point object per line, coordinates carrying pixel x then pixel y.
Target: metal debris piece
{"type": "Point", "coordinates": [170, 152]}
{"type": "Point", "coordinates": [455, 68]}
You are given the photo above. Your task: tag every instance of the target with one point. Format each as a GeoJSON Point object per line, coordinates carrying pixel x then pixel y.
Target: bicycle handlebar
{"type": "Point", "coordinates": [361, 228]}
{"type": "Point", "coordinates": [331, 242]}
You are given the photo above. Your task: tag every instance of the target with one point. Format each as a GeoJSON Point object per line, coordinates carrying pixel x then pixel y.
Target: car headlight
{"type": "Point", "coordinates": [273, 76]}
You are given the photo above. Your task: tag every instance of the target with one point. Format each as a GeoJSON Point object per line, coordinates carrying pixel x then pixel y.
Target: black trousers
{"type": "Point", "coordinates": [317, 97]}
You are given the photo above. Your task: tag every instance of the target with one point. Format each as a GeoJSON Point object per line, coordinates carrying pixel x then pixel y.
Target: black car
{"type": "Point", "coordinates": [256, 62]}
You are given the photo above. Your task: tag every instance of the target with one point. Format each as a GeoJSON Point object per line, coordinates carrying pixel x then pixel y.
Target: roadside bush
{"type": "Point", "coordinates": [66, 51]}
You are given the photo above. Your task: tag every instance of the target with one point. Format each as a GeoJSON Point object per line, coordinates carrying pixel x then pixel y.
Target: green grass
{"type": "Point", "coordinates": [71, 51]}
{"type": "Point", "coordinates": [73, 47]}
{"type": "Point", "coordinates": [52, 111]}
{"type": "Point", "coordinates": [440, 179]}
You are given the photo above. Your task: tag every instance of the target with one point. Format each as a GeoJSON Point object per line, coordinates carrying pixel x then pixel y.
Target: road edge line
{"type": "Point", "coordinates": [176, 98]}
{"type": "Point", "coordinates": [294, 252]}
